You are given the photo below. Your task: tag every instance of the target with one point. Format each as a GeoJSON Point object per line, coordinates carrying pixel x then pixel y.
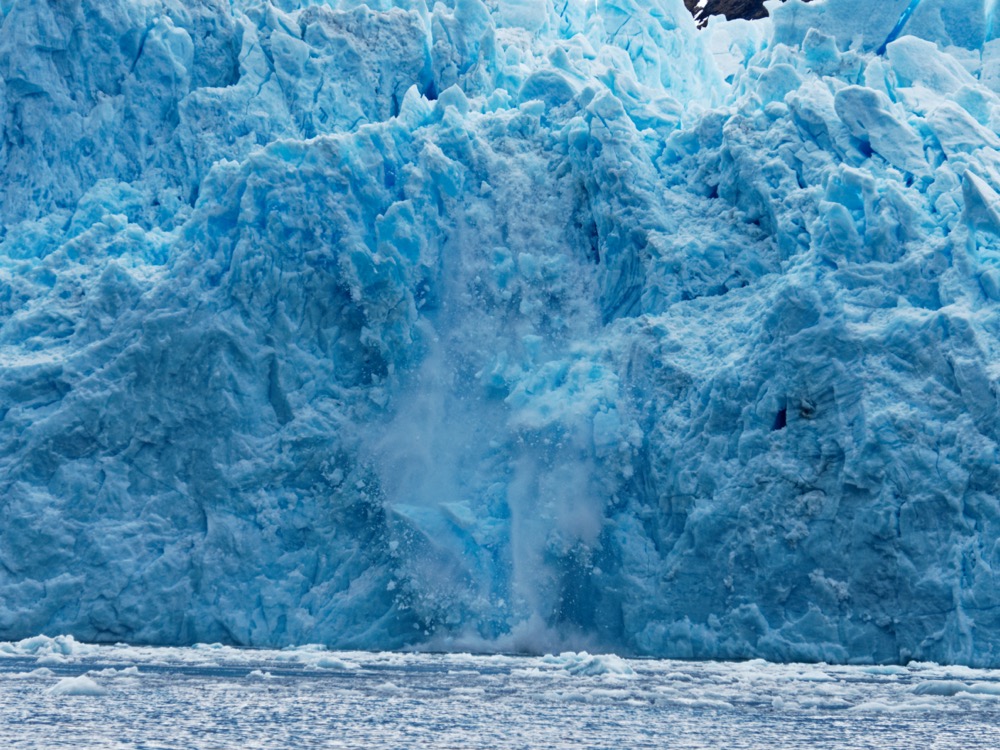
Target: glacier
{"type": "Point", "coordinates": [502, 325]}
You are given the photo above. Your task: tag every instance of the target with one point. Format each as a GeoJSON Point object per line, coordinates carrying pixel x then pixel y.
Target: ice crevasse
{"type": "Point", "coordinates": [503, 325]}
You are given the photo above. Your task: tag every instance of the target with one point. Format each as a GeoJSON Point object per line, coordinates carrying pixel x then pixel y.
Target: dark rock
{"type": "Point", "coordinates": [702, 9]}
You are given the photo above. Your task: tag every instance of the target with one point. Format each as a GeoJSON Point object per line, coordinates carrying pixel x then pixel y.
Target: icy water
{"type": "Point", "coordinates": [217, 697]}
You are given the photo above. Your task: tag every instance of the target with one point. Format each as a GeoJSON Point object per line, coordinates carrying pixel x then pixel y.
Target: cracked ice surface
{"type": "Point", "coordinates": [504, 325]}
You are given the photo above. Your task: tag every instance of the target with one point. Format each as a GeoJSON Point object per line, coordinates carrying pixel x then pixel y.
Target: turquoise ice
{"type": "Point", "coordinates": [502, 325]}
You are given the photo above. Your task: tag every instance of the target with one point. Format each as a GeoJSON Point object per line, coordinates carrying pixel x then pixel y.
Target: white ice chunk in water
{"type": "Point", "coordinates": [77, 686]}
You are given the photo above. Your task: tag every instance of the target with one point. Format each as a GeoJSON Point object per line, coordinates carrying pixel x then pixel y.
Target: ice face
{"type": "Point", "coordinates": [500, 325]}
{"type": "Point", "coordinates": [961, 23]}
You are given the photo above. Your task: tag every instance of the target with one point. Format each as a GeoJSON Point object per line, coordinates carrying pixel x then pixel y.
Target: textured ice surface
{"type": "Point", "coordinates": [963, 23]}
{"type": "Point", "coordinates": [219, 697]}
{"type": "Point", "coordinates": [501, 325]}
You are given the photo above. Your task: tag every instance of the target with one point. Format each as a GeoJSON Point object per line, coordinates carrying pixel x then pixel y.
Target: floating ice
{"type": "Point", "coordinates": [501, 325]}
{"type": "Point", "coordinates": [81, 685]}
{"type": "Point", "coordinates": [40, 645]}
{"type": "Point", "coordinates": [940, 687]}
{"type": "Point", "coordinates": [132, 671]}
{"type": "Point", "coordinates": [591, 665]}
{"type": "Point", "coordinates": [764, 702]}
{"type": "Point", "coordinates": [332, 662]}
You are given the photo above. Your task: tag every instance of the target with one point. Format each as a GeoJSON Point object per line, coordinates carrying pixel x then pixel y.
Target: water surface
{"type": "Point", "coordinates": [219, 697]}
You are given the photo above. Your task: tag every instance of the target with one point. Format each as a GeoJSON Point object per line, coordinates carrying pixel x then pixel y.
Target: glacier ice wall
{"type": "Point", "coordinates": [501, 324]}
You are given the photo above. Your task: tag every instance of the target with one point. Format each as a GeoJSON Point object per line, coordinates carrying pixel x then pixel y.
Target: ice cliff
{"type": "Point", "coordinates": [502, 324]}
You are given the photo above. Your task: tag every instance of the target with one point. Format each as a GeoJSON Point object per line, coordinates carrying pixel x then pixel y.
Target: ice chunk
{"type": "Point", "coordinates": [77, 686]}
{"type": "Point", "coordinates": [940, 687]}
{"type": "Point", "coordinates": [867, 115]}
{"type": "Point", "coordinates": [61, 645]}
{"type": "Point", "coordinates": [331, 662]}
{"type": "Point", "coordinates": [591, 665]}
{"type": "Point", "coordinates": [132, 671]}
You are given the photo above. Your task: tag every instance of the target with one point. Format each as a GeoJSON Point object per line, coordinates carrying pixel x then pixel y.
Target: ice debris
{"type": "Point", "coordinates": [333, 662]}
{"type": "Point", "coordinates": [82, 685]}
{"type": "Point", "coordinates": [385, 324]}
{"type": "Point", "coordinates": [591, 665]}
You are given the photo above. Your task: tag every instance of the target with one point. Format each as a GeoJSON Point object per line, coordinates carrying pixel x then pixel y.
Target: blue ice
{"type": "Point", "coordinates": [501, 326]}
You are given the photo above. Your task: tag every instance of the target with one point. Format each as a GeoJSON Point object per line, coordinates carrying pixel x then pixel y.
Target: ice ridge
{"type": "Point", "coordinates": [501, 325]}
